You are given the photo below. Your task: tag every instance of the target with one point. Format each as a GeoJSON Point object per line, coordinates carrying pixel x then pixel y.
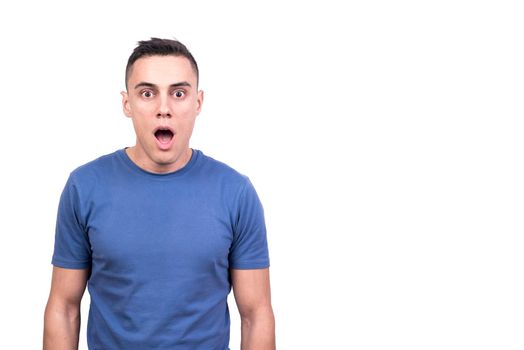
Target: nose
{"type": "Point", "coordinates": [163, 109]}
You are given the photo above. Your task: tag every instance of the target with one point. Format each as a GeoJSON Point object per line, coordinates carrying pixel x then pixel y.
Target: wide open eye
{"type": "Point", "coordinates": [179, 93]}
{"type": "Point", "coordinates": [146, 93]}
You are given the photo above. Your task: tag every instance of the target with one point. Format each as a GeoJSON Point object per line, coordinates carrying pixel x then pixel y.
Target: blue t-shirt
{"type": "Point", "coordinates": [160, 247]}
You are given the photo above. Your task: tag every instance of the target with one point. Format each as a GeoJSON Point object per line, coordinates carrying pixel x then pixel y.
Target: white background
{"type": "Point", "coordinates": [385, 139]}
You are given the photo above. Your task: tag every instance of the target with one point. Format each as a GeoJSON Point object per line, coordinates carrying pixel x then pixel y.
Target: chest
{"type": "Point", "coordinates": [169, 227]}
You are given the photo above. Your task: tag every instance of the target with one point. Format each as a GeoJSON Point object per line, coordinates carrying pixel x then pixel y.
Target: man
{"type": "Point", "coordinates": [159, 232]}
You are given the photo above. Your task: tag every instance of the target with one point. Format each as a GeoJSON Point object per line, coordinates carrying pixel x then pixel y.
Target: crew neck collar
{"type": "Point", "coordinates": [195, 154]}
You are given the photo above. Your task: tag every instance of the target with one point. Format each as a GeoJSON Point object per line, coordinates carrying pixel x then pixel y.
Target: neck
{"type": "Point", "coordinates": [158, 166]}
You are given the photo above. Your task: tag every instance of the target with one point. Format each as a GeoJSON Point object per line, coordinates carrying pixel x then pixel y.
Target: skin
{"type": "Point", "coordinates": [162, 92]}
{"type": "Point", "coordinates": [62, 313]}
{"type": "Point", "coordinates": [253, 297]}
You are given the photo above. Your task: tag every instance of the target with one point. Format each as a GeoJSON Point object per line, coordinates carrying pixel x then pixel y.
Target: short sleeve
{"type": "Point", "coordinates": [72, 247]}
{"type": "Point", "coordinates": [249, 249]}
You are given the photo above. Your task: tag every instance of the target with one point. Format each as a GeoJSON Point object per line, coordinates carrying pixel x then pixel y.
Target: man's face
{"type": "Point", "coordinates": [163, 101]}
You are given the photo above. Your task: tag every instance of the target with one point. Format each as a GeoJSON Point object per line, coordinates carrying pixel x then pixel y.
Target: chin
{"type": "Point", "coordinates": [166, 160]}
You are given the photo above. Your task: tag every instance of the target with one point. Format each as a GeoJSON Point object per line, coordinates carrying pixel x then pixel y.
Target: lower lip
{"type": "Point", "coordinates": [164, 146]}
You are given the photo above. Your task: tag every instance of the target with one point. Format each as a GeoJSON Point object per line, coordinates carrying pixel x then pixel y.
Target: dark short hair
{"type": "Point", "coordinates": [160, 47]}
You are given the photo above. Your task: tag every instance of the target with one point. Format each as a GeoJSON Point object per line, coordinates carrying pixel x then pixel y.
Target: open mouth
{"type": "Point", "coordinates": [164, 135]}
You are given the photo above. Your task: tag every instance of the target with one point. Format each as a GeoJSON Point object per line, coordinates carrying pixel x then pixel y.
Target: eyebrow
{"type": "Point", "coordinates": [151, 85]}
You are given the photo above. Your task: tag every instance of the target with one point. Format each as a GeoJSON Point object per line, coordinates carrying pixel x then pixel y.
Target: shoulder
{"type": "Point", "coordinates": [88, 174]}
{"type": "Point", "coordinates": [99, 164]}
{"type": "Point", "coordinates": [218, 177]}
{"type": "Point", "coordinates": [221, 170]}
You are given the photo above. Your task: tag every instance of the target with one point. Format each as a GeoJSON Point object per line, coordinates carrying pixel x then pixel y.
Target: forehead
{"type": "Point", "coordinates": [162, 70]}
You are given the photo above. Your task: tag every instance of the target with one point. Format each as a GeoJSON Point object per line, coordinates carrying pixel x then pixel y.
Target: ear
{"type": "Point", "coordinates": [125, 104]}
{"type": "Point", "coordinates": [200, 101]}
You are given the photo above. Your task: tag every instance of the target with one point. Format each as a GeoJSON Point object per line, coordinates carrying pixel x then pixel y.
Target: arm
{"type": "Point", "coordinates": [62, 313]}
{"type": "Point", "coordinates": [253, 298]}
